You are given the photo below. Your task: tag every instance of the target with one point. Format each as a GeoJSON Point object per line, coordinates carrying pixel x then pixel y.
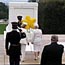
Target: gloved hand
{"type": "Point", "coordinates": [28, 43]}
{"type": "Point", "coordinates": [7, 52]}
{"type": "Point", "coordinates": [32, 43]}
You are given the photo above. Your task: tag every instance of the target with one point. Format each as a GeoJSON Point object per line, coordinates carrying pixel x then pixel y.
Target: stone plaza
{"type": "Point", "coordinates": [29, 58]}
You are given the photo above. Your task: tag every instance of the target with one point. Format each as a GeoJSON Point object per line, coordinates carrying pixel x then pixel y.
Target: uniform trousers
{"type": "Point", "coordinates": [14, 60]}
{"type": "Point", "coordinates": [23, 47]}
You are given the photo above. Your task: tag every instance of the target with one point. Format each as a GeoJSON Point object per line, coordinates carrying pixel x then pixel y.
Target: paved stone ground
{"type": "Point", "coordinates": [29, 55]}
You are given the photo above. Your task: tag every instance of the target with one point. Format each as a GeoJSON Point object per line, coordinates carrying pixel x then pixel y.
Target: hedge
{"type": "Point", "coordinates": [51, 17]}
{"type": "Point", "coordinates": [2, 28]}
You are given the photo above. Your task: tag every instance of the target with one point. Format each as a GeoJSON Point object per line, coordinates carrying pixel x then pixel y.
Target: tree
{"type": "Point", "coordinates": [52, 17]}
{"type": "Point", "coordinates": [3, 11]}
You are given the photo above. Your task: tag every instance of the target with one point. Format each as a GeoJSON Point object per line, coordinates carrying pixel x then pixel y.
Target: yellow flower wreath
{"type": "Point", "coordinates": [30, 22]}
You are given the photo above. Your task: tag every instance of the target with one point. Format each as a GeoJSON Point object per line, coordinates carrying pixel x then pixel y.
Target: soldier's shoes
{"type": "Point", "coordinates": [35, 58]}
{"type": "Point", "coordinates": [38, 57]}
{"type": "Point", "coordinates": [22, 60]}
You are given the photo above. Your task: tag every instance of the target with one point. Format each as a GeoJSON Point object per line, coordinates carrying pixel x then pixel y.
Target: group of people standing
{"type": "Point", "coordinates": [18, 38]}
{"type": "Point", "coordinates": [33, 36]}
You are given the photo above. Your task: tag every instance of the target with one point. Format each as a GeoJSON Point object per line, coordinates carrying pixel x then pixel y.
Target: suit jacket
{"type": "Point", "coordinates": [13, 39]}
{"type": "Point", "coordinates": [52, 54]}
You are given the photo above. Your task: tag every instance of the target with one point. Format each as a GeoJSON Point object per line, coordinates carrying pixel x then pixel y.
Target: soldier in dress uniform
{"type": "Point", "coordinates": [14, 49]}
{"type": "Point", "coordinates": [23, 42]}
{"type": "Point", "coordinates": [19, 21]}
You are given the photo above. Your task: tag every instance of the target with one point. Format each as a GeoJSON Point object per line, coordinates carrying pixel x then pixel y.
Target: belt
{"type": "Point", "coordinates": [14, 44]}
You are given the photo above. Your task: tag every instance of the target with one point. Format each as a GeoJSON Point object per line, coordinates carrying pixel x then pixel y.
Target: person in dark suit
{"type": "Point", "coordinates": [52, 54]}
{"type": "Point", "coordinates": [14, 49]}
{"type": "Point", "coordinates": [19, 21]}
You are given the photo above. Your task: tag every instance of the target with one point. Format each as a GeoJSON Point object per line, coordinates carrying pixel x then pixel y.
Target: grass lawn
{"type": "Point", "coordinates": [2, 28]}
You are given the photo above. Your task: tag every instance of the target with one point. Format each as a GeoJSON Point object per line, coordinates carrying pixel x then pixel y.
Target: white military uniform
{"type": "Point", "coordinates": [23, 42]}
{"type": "Point", "coordinates": [37, 39]}
{"type": "Point", "coordinates": [30, 37]}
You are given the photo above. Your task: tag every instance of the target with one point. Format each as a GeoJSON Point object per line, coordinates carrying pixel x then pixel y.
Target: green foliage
{"type": "Point", "coordinates": [52, 17]}
{"type": "Point", "coordinates": [2, 28]}
{"type": "Point", "coordinates": [3, 11]}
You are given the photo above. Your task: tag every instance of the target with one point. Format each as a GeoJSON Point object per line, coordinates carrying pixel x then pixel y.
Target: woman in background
{"type": "Point", "coordinates": [37, 41]}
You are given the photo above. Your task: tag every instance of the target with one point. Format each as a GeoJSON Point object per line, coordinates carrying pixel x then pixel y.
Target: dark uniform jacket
{"type": "Point", "coordinates": [52, 54]}
{"type": "Point", "coordinates": [12, 45]}
{"type": "Point", "coordinates": [19, 24]}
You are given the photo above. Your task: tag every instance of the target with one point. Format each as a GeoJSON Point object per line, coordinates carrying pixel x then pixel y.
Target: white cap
{"type": "Point", "coordinates": [24, 23]}
{"type": "Point", "coordinates": [36, 25]}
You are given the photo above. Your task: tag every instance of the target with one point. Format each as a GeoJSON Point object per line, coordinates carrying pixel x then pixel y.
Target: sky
{"type": "Point", "coordinates": [7, 1]}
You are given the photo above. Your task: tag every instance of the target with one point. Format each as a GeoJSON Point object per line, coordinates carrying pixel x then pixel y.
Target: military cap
{"type": "Point", "coordinates": [19, 17]}
{"type": "Point", "coordinates": [14, 25]}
